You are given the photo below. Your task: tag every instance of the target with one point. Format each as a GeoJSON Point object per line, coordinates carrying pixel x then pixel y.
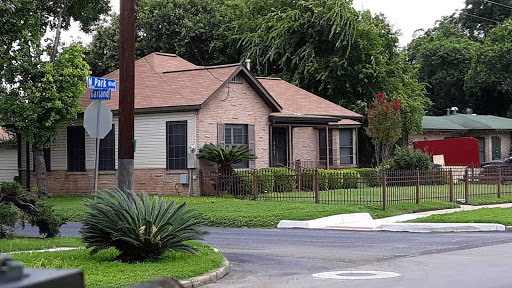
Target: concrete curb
{"type": "Point", "coordinates": [209, 277]}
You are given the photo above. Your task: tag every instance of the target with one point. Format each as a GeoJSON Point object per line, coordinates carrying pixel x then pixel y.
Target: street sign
{"type": "Point", "coordinates": [99, 94]}
{"type": "Point", "coordinates": [98, 119]}
{"type": "Point", "coordinates": [101, 83]}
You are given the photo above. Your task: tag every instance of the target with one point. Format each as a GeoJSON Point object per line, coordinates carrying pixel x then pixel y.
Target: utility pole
{"type": "Point", "coordinates": [126, 95]}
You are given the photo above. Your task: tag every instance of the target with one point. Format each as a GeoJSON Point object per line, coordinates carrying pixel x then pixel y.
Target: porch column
{"type": "Point", "coordinates": [290, 145]}
{"type": "Point", "coordinates": [327, 147]}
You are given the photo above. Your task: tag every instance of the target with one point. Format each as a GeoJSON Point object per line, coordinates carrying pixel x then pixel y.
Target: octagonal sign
{"type": "Point", "coordinates": [98, 119]}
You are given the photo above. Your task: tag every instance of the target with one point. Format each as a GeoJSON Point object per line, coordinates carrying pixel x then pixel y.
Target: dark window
{"type": "Point", "coordinates": [346, 147]}
{"type": "Point", "coordinates": [321, 146]}
{"type": "Point", "coordinates": [236, 135]}
{"type": "Point", "coordinates": [481, 148]}
{"type": "Point", "coordinates": [496, 148]}
{"type": "Point", "coordinates": [107, 151]}
{"type": "Point", "coordinates": [76, 148]}
{"type": "Point", "coordinates": [176, 145]}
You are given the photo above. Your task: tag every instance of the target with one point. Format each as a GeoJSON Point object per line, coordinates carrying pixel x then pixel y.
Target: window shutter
{"type": "Point", "coordinates": [252, 144]}
{"type": "Point", "coordinates": [220, 135]}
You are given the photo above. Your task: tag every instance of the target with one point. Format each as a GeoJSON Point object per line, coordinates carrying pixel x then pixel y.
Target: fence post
{"type": "Point", "coordinates": [254, 186]}
{"type": "Point", "coordinates": [316, 185]}
{"type": "Point", "coordinates": [383, 190]}
{"type": "Point", "coordinates": [499, 182]}
{"type": "Point", "coordinates": [451, 186]}
{"type": "Point", "coordinates": [417, 186]}
{"type": "Point", "coordinates": [466, 187]}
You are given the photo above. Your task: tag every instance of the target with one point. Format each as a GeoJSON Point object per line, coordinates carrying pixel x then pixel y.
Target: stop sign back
{"type": "Point", "coordinates": [98, 119]}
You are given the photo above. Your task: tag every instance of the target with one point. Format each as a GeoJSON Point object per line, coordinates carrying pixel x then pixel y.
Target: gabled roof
{"type": "Point", "coordinates": [466, 122]}
{"type": "Point", "coordinates": [166, 82]}
{"type": "Point", "coordinates": [296, 101]}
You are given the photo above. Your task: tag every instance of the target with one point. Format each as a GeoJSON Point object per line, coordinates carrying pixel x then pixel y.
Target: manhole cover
{"type": "Point", "coordinates": [355, 275]}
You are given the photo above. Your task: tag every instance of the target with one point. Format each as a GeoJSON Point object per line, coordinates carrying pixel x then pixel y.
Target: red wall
{"type": "Point", "coordinates": [456, 151]}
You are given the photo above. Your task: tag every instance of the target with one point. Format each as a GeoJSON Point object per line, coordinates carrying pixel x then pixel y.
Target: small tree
{"type": "Point", "coordinates": [225, 156]}
{"type": "Point", "coordinates": [384, 126]}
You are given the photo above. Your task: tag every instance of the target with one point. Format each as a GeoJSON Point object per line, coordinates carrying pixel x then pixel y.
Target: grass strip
{"type": "Point", "coordinates": [236, 213]}
{"type": "Point", "coordinates": [484, 215]}
{"type": "Point", "coordinates": [101, 272]}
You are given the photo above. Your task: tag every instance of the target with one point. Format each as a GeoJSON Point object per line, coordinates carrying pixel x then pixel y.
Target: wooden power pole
{"type": "Point", "coordinates": [126, 95]}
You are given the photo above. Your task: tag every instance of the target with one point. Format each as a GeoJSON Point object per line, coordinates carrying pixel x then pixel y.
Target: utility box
{"type": "Point", "coordinates": [191, 160]}
{"type": "Point", "coordinates": [183, 178]}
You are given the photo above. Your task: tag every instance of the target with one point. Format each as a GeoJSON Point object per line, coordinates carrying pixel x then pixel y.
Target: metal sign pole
{"type": "Point", "coordinates": [97, 150]}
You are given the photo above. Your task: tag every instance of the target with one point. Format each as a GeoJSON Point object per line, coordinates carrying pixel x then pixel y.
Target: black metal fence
{"type": "Point", "coordinates": [360, 186]}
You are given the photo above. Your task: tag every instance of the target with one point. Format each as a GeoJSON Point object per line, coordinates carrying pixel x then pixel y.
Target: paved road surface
{"type": "Point", "coordinates": [289, 257]}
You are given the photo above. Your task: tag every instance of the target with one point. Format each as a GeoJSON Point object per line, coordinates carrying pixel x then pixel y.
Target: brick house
{"type": "Point", "coordinates": [492, 132]}
{"type": "Point", "coordinates": [179, 107]}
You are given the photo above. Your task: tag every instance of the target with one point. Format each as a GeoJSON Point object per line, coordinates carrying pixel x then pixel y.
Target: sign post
{"type": "Point", "coordinates": [97, 116]}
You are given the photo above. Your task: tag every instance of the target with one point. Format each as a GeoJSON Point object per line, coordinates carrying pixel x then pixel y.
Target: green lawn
{"type": "Point", "coordinates": [484, 215]}
{"type": "Point", "coordinates": [229, 212]}
{"type": "Point", "coordinates": [101, 272]}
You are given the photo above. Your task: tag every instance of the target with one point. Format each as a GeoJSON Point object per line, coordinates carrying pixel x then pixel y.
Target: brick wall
{"type": "Point", "coordinates": [235, 104]}
{"type": "Point", "coordinates": [151, 181]}
{"type": "Point", "coordinates": [305, 144]}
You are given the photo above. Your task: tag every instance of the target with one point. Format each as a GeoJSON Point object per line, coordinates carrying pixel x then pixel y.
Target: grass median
{"type": "Point", "coordinates": [229, 212]}
{"type": "Point", "coordinates": [100, 271]}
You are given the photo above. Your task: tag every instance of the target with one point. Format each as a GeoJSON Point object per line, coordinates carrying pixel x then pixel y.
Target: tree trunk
{"type": "Point", "coordinates": [40, 168]}
{"type": "Point", "coordinates": [57, 34]}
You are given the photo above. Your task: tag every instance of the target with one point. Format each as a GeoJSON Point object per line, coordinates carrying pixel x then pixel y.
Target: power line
{"type": "Point", "coordinates": [483, 18]}
{"type": "Point", "coordinates": [496, 3]}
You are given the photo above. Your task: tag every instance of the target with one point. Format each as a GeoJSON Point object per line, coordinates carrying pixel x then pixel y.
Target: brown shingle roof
{"type": "Point", "coordinates": [295, 100]}
{"type": "Point", "coordinates": [192, 85]}
{"type": "Point", "coordinates": [168, 81]}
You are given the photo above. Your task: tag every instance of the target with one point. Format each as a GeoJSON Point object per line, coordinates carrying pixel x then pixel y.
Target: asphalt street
{"type": "Point", "coordinates": [297, 257]}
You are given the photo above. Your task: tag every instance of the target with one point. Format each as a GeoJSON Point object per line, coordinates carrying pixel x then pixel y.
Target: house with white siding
{"type": "Point", "coordinates": [8, 157]}
{"type": "Point", "coordinates": [179, 107]}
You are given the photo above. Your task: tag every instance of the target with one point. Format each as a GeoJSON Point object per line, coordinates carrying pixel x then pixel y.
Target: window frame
{"type": "Point", "coordinates": [82, 165]}
{"type": "Point", "coordinates": [185, 158]}
{"type": "Point", "coordinates": [245, 137]}
{"type": "Point", "coordinates": [104, 147]}
{"type": "Point", "coordinates": [351, 156]}
{"type": "Point", "coordinates": [321, 146]}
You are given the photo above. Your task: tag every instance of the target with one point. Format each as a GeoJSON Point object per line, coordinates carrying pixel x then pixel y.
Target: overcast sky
{"type": "Point", "coordinates": [404, 15]}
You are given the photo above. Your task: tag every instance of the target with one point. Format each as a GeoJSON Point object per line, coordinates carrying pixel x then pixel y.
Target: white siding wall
{"type": "Point", "coordinates": [8, 164]}
{"type": "Point", "coordinates": [150, 133]}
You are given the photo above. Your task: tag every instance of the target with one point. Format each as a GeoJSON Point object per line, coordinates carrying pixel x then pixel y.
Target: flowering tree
{"type": "Point", "coordinates": [384, 126]}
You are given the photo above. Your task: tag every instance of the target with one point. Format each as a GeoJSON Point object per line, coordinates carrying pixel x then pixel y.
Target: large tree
{"type": "Point", "coordinates": [478, 17]}
{"type": "Point", "coordinates": [443, 57]}
{"type": "Point", "coordinates": [195, 30]}
{"type": "Point", "coordinates": [37, 94]}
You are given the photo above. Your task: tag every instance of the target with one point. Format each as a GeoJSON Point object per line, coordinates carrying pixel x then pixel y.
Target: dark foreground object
{"type": "Point", "coordinates": [47, 278]}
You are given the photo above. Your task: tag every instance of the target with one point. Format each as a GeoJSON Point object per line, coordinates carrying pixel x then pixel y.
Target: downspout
{"type": "Point", "coordinates": [327, 147]}
{"type": "Point", "coordinates": [357, 147]}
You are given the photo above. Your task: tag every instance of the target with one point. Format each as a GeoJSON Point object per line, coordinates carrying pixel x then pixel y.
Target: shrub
{"type": "Point", "coordinates": [13, 197]}
{"type": "Point", "coordinates": [338, 179]}
{"type": "Point", "coordinates": [371, 176]}
{"type": "Point", "coordinates": [281, 179]}
{"type": "Point", "coordinates": [137, 227]}
{"type": "Point", "coordinates": [410, 160]}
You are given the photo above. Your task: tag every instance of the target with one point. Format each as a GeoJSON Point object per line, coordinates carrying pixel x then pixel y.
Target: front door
{"type": "Point", "coordinates": [279, 146]}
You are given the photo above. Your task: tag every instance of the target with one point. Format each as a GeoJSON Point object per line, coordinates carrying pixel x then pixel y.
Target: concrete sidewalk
{"type": "Point", "coordinates": [363, 221]}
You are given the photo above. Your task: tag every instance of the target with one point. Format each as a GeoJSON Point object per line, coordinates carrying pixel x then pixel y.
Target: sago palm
{"type": "Point", "coordinates": [137, 227]}
{"type": "Point", "coordinates": [225, 156]}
